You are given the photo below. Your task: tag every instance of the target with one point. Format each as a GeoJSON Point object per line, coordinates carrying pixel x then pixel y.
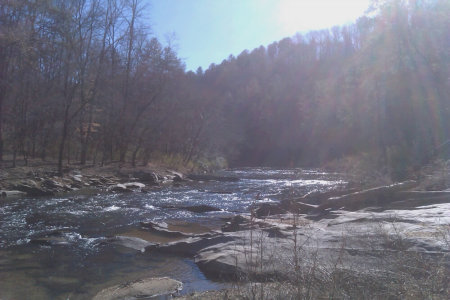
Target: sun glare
{"type": "Point", "coordinates": [302, 15]}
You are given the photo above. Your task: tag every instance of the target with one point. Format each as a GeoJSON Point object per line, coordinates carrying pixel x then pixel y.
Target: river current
{"type": "Point", "coordinates": [81, 264]}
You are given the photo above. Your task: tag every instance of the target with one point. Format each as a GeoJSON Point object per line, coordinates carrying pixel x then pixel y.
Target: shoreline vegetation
{"type": "Point", "coordinates": [379, 242]}
{"type": "Point", "coordinates": [86, 81]}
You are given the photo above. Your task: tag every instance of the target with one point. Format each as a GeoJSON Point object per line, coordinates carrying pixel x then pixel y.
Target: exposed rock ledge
{"type": "Point", "coordinates": [372, 238]}
{"type": "Point", "coordinates": [148, 288]}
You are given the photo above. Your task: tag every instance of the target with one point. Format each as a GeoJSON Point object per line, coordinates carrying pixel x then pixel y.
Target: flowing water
{"type": "Point", "coordinates": [77, 263]}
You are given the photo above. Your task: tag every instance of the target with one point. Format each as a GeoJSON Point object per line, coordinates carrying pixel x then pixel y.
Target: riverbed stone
{"type": "Point", "coordinates": [8, 194]}
{"type": "Point", "coordinates": [191, 246]}
{"type": "Point", "coordinates": [147, 288]}
{"type": "Point", "coordinates": [131, 242]}
{"type": "Point", "coordinates": [119, 188]}
{"type": "Point", "coordinates": [200, 208]}
{"type": "Point", "coordinates": [134, 185]}
{"type": "Point", "coordinates": [161, 229]}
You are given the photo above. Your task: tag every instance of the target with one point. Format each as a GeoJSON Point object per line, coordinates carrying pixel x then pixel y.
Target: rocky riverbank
{"type": "Point", "coordinates": [44, 181]}
{"type": "Point", "coordinates": [394, 237]}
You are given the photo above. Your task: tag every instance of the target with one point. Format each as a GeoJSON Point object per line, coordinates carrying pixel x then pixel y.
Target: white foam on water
{"type": "Point", "coordinates": [77, 212]}
{"type": "Point", "coordinates": [149, 206]}
{"type": "Point", "coordinates": [111, 208]}
{"type": "Point", "coordinates": [302, 182]}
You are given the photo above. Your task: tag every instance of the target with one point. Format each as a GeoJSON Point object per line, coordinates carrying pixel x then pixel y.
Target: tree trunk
{"type": "Point", "coordinates": [63, 141]}
{"type": "Point", "coordinates": [85, 144]}
{"type": "Point", "coordinates": [135, 152]}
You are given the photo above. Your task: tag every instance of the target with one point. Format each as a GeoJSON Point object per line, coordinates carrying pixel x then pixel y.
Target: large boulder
{"type": "Point", "coordinates": [148, 288]}
{"type": "Point", "coordinates": [148, 177]}
{"type": "Point", "coordinates": [177, 177]}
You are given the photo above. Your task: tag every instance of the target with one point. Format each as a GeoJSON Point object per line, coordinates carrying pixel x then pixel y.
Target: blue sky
{"type": "Point", "coordinates": [208, 31]}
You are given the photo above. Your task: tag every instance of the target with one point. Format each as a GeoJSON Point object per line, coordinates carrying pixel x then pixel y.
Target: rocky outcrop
{"type": "Point", "coordinates": [189, 247]}
{"type": "Point", "coordinates": [406, 199]}
{"type": "Point", "coordinates": [161, 229]}
{"type": "Point", "coordinates": [372, 197]}
{"type": "Point", "coordinates": [316, 198]}
{"type": "Point", "coordinates": [33, 189]}
{"type": "Point", "coordinates": [370, 241]}
{"type": "Point", "coordinates": [241, 261]}
{"type": "Point", "coordinates": [131, 242]}
{"type": "Point", "coordinates": [298, 207]}
{"type": "Point", "coordinates": [147, 288]}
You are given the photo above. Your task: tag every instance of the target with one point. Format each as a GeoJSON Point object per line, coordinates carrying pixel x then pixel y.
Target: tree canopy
{"type": "Point", "coordinates": [85, 80]}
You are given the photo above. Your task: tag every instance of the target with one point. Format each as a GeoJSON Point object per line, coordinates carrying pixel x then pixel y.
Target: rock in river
{"type": "Point", "coordinates": [134, 185]}
{"type": "Point", "coordinates": [5, 194]}
{"type": "Point", "coordinates": [119, 188]}
{"type": "Point", "coordinates": [148, 288]}
{"type": "Point", "coordinates": [131, 242]}
{"type": "Point", "coordinates": [201, 208]}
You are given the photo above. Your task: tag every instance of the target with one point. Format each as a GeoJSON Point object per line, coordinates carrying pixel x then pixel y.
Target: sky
{"type": "Point", "coordinates": [208, 31]}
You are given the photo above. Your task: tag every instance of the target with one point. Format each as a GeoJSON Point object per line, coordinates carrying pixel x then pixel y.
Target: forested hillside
{"type": "Point", "coordinates": [85, 81]}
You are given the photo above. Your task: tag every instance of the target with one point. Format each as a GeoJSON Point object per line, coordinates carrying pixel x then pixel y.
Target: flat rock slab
{"type": "Point", "coordinates": [4, 193]}
{"type": "Point", "coordinates": [131, 242]}
{"type": "Point", "coordinates": [148, 288]}
{"type": "Point", "coordinates": [378, 196]}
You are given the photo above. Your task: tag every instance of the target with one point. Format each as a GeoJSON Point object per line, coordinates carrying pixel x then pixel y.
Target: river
{"type": "Point", "coordinates": [78, 263]}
